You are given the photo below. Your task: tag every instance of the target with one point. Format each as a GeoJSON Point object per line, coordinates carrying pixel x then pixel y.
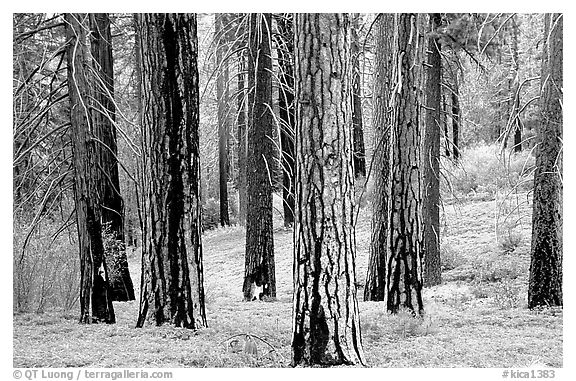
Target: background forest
{"type": "Point", "coordinates": [197, 176]}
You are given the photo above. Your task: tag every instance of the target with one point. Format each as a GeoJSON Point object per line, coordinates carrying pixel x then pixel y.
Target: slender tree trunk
{"type": "Point", "coordinates": [326, 323]}
{"type": "Point", "coordinates": [404, 259]}
{"type": "Point", "coordinates": [359, 161]}
{"type": "Point", "coordinates": [172, 288]}
{"type": "Point", "coordinates": [287, 114]}
{"type": "Point", "coordinates": [375, 288]}
{"type": "Point", "coordinates": [517, 126]}
{"type": "Point", "coordinates": [545, 283]}
{"type": "Point", "coordinates": [95, 293]}
{"type": "Point", "coordinates": [222, 93]}
{"type": "Point", "coordinates": [242, 142]}
{"type": "Point", "coordinates": [259, 264]}
{"type": "Point", "coordinates": [455, 121]}
{"type": "Point", "coordinates": [104, 119]}
{"type": "Point", "coordinates": [431, 158]}
{"type": "Point", "coordinates": [447, 142]}
{"type": "Point", "coordinates": [517, 122]}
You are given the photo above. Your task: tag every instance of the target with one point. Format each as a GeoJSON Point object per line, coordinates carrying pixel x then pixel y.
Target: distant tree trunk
{"type": "Point", "coordinates": [222, 94]}
{"type": "Point", "coordinates": [172, 289]}
{"type": "Point", "coordinates": [545, 283]}
{"type": "Point", "coordinates": [447, 143]}
{"type": "Point", "coordinates": [95, 293]}
{"type": "Point", "coordinates": [259, 264]}
{"type": "Point", "coordinates": [455, 121]}
{"type": "Point", "coordinates": [404, 272]}
{"type": "Point", "coordinates": [359, 161]}
{"type": "Point", "coordinates": [375, 288]}
{"type": "Point", "coordinates": [517, 127]}
{"type": "Point", "coordinates": [326, 323]}
{"type": "Point", "coordinates": [431, 158]}
{"type": "Point", "coordinates": [517, 122]}
{"type": "Point", "coordinates": [104, 117]}
{"type": "Point", "coordinates": [242, 142]}
{"type": "Point", "coordinates": [287, 114]}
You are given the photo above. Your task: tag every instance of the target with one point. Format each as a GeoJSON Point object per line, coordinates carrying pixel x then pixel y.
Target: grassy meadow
{"type": "Point", "coordinates": [478, 316]}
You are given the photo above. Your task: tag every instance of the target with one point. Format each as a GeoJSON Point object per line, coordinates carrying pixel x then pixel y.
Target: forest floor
{"type": "Point", "coordinates": [476, 318]}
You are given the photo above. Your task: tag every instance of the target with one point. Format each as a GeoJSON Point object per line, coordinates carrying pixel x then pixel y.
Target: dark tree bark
{"type": "Point", "coordinates": [222, 94]}
{"type": "Point", "coordinates": [95, 293]}
{"type": "Point", "coordinates": [455, 120]}
{"type": "Point", "coordinates": [259, 264]}
{"type": "Point", "coordinates": [104, 118]}
{"type": "Point", "coordinates": [287, 113]}
{"type": "Point", "coordinates": [242, 142]}
{"type": "Point", "coordinates": [326, 323]}
{"type": "Point", "coordinates": [545, 283]}
{"type": "Point", "coordinates": [404, 259]}
{"type": "Point", "coordinates": [375, 288]}
{"type": "Point", "coordinates": [431, 157]}
{"type": "Point", "coordinates": [172, 289]}
{"type": "Point", "coordinates": [359, 157]}
{"type": "Point", "coordinates": [516, 121]}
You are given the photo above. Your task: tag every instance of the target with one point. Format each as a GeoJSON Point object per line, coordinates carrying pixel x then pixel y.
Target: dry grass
{"type": "Point", "coordinates": [477, 318]}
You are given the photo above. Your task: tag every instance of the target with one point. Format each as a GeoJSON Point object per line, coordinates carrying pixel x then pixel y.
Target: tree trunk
{"type": "Point", "coordinates": [545, 283]}
{"type": "Point", "coordinates": [104, 119]}
{"type": "Point", "coordinates": [222, 94]}
{"type": "Point", "coordinates": [431, 158]}
{"type": "Point", "coordinates": [172, 288]}
{"type": "Point", "coordinates": [259, 265]}
{"type": "Point", "coordinates": [375, 288]}
{"type": "Point", "coordinates": [455, 120]}
{"type": "Point", "coordinates": [326, 323]}
{"type": "Point", "coordinates": [359, 159]}
{"type": "Point", "coordinates": [95, 293]}
{"type": "Point", "coordinates": [287, 114]}
{"type": "Point", "coordinates": [517, 122]}
{"type": "Point", "coordinates": [447, 143]}
{"type": "Point", "coordinates": [242, 142]}
{"type": "Point", "coordinates": [404, 271]}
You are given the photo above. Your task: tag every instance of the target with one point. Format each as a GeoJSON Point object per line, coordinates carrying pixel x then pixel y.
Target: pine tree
{"type": "Point", "coordinates": [326, 323]}
{"type": "Point", "coordinates": [172, 289]}
{"type": "Point", "coordinates": [545, 283]}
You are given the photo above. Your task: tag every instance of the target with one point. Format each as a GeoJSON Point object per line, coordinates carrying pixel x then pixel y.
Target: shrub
{"type": "Point", "coordinates": [47, 271]}
{"type": "Point", "coordinates": [409, 325]}
{"type": "Point", "coordinates": [449, 258]}
{"type": "Point", "coordinates": [507, 294]}
{"type": "Point", "coordinates": [210, 214]}
{"type": "Point", "coordinates": [484, 169]}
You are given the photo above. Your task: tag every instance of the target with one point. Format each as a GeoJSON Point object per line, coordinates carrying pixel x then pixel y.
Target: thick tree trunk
{"type": "Point", "coordinates": [259, 264]}
{"type": "Point", "coordinates": [545, 283]}
{"type": "Point", "coordinates": [375, 288]}
{"type": "Point", "coordinates": [404, 259]}
{"type": "Point", "coordinates": [359, 157]}
{"type": "Point", "coordinates": [222, 94]}
{"type": "Point", "coordinates": [172, 288]}
{"type": "Point", "coordinates": [104, 118]}
{"type": "Point", "coordinates": [242, 142]}
{"type": "Point", "coordinates": [287, 114]}
{"type": "Point", "coordinates": [326, 323]}
{"type": "Point", "coordinates": [431, 158]}
{"type": "Point", "coordinates": [95, 293]}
